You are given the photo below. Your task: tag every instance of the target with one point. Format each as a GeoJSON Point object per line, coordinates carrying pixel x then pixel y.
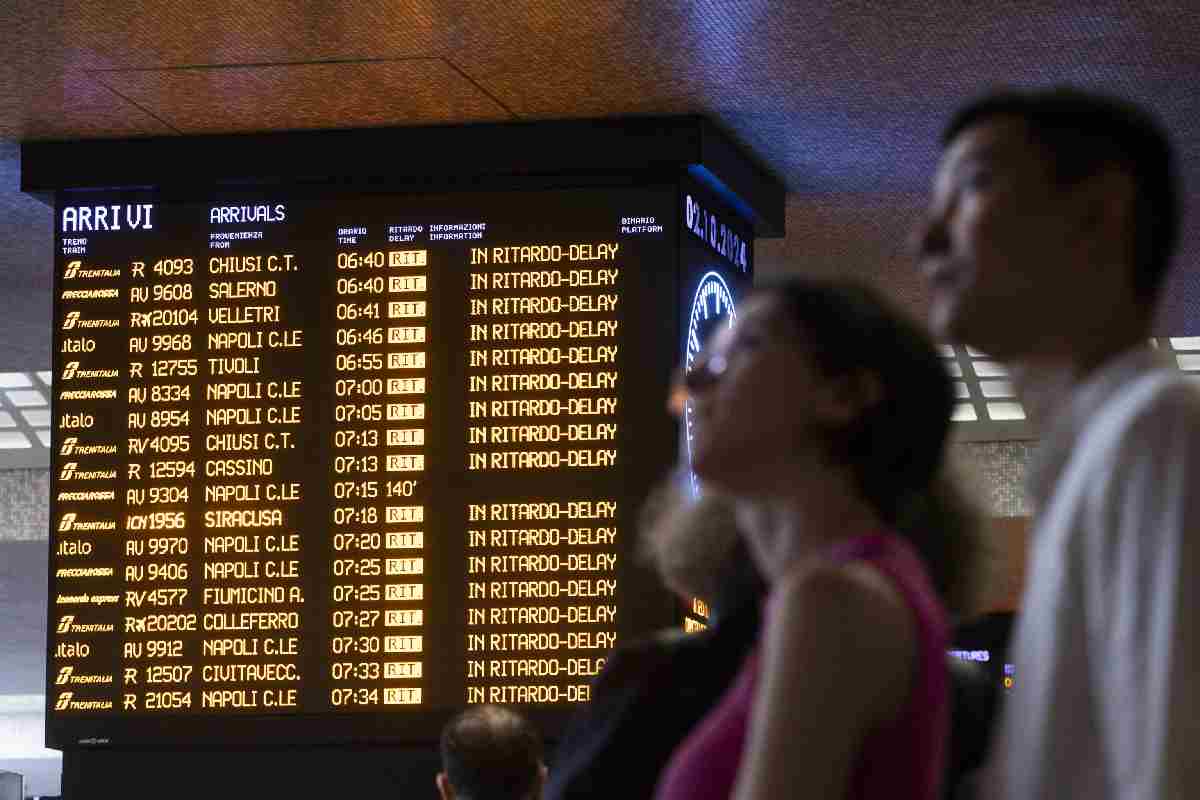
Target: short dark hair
{"type": "Point", "coordinates": [491, 753]}
{"type": "Point", "coordinates": [1082, 133]}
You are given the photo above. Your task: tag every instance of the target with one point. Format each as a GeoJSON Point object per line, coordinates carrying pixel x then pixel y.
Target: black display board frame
{"type": "Point", "coordinates": [685, 154]}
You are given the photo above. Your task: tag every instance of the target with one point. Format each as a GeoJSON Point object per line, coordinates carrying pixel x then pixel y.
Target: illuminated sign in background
{"type": "Point", "coordinates": [716, 267]}
{"type": "Point", "coordinates": [326, 460]}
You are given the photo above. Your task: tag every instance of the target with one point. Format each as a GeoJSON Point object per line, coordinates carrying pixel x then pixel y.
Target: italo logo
{"type": "Point", "coordinates": [74, 319]}
{"type": "Point", "coordinates": [107, 218]}
{"type": "Point", "coordinates": [74, 269]}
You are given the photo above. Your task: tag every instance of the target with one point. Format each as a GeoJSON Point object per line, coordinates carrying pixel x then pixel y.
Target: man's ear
{"type": "Point", "coordinates": [1105, 208]}
{"type": "Point", "coordinates": [846, 397]}
{"type": "Point", "coordinates": [444, 787]}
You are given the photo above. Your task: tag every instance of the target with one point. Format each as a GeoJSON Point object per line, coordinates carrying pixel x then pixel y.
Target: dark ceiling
{"type": "Point", "coordinates": [843, 100]}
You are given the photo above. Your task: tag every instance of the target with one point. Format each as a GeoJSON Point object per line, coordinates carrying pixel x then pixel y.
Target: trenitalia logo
{"type": "Point", "coordinates": [71, 472]}
{"type": "Point", "coordinates": [74, 269]}
{"type": "Point", "coordinates": [72, 370]}
{"type": "Point", "coordinates": [67, 675]}
{"type": "Point", "coordinates": [67, 624]}
{"type": "Point", "coordinates": [70, 522]}
{"type": "Point", "coordinates": [67, 702]}
{"type": "Point", "coordinates": [74, 319]}
{"type": "Point", "coordinates": [71, 446]}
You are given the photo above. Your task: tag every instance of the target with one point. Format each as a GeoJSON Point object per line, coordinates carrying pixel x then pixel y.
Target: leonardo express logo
{"type": "Point", "coordinates": [67, 624]}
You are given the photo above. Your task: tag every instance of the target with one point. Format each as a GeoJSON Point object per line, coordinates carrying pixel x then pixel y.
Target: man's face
{"type": "Point", "coordinates": [997, 245]}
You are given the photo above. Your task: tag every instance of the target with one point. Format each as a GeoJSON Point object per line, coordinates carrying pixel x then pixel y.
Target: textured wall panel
{"type": "Point", "coordinates": [289, 96]}
{"type": "Point", "coordinates": [995, 473]}
{"type": "Point", "coordinates": [860, 236]}
{"type": "Point", "coordinates": [844, 99]}
{"type": "Point", "coordinates": [23, 616]}
{"type": "Point", "coordinates": [24, 504]}
{"type": "Point", "coordinates": [26, 233]}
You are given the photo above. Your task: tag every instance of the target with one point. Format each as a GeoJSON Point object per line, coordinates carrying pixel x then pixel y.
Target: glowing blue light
{"type": "Point", "coordinates": [712, 285]}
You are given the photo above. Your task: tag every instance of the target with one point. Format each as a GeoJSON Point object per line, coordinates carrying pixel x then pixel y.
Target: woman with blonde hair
{"type": "Point", "coordinates": [654, 690]}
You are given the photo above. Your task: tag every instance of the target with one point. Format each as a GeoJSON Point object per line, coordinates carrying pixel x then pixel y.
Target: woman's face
{"type": "Point", "coordinates": [759, 402]}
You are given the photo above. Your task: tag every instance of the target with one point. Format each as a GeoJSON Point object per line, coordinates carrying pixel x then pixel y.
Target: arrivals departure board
{"type": "Point", "coordinates": [337, 465]}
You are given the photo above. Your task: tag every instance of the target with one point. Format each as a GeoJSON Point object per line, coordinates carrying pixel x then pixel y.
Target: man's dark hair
{"type": "Point", "coordinates": [1084, 133]}
{"type": "Point", "coordinates": [491, 753]}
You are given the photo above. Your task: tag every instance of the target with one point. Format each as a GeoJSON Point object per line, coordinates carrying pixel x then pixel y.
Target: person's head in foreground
{"type": "Point", "coordinates": [491, 753]}
{"type": "Point", "coordinates": [825, 403]}
{"type": "Point", "coordinates": [1052, 221]}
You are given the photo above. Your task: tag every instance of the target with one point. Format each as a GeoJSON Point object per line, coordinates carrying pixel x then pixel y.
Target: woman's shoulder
{"type": "Point", "coordinates": [828, 601]}
{"type": "Point", "coordinates": [853, 587]}
{"type": "Point", "coordinates": [851, 618]}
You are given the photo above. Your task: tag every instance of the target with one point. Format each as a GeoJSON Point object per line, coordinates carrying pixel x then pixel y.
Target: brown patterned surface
{"type": "Point", "coordinates": [843, 99]}
{"type": "Point", "coordinates": [1004, 572]}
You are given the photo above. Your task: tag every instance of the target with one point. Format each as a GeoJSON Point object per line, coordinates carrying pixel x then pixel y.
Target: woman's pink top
{"type": "Point", "coordinates": [901, 761]}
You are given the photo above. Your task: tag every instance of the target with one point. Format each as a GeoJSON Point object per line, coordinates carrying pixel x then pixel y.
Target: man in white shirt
{"type": "Point", "coordinates": [1052, 221]}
